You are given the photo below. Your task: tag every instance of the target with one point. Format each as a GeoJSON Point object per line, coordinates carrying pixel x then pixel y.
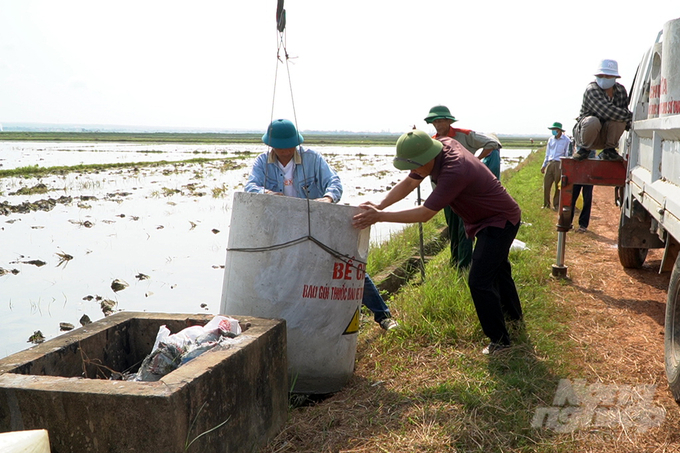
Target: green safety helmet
{"type": "Point", "coordinates": [439, 112]}
{"type": "Point", "coordinates": [282, 134]}
{"type": "Point", "coordinates": [556, 125]}
{"type": "Point", "coordinates": [414, 149]}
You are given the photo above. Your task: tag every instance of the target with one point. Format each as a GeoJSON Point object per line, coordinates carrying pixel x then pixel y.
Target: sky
{"type": "Point", "coordinates": [507, 67]}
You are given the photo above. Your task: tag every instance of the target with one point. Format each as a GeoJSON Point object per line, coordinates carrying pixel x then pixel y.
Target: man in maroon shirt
{"type": "Point", "coordinates": [490, 214]}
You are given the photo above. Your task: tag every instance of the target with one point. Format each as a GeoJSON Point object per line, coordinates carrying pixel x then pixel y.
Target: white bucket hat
{"type": "Point", "coordinates": [608, 67]}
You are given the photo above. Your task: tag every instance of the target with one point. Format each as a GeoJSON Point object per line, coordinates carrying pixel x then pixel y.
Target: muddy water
{"type": "Point", "coordinates": [161, 230]}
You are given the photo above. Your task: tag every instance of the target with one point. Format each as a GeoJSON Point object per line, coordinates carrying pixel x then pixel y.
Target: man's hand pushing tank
{"type": "Point", "coordinates": [369, 215]}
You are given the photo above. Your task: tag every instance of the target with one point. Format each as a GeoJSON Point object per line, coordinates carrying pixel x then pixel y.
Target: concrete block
{"type": "Point", "coordinates": [63, 386]}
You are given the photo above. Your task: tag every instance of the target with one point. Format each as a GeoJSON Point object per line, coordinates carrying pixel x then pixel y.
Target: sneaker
{"type": "Point", "coordinates": [494, 348]}
{"type": "Point", "coordinates": [582, 230]}
{"type": "Point", "coordinates": [581, 154]}
{"type": "Point", "coordinates": [389, 324]}
{"type": "Point", "coordinates": [610, 154]}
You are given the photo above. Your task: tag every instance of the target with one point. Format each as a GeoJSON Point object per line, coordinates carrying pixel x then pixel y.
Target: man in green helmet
{"type": "Point", "coordinates": [489, 213]}
{"type": "Point", "coordinates": [440, 117]}
{"type": "Point", "coordinates": [558, 147]}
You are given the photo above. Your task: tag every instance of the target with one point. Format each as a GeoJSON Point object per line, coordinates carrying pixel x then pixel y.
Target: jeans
{"type": "Point", "coordinates": [491, 284]}
{"type": "Point", "coordinates": [374, 301]}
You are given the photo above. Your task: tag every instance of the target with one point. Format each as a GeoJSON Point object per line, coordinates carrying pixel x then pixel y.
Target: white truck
{"type": "Point", "coordinates": [650, 203]}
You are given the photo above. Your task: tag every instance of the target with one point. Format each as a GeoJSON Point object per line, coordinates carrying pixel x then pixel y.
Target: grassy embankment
{"type": "Point", "coordinates": [427, 387]}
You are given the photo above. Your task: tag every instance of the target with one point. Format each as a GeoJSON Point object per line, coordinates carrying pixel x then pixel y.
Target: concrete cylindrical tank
{"type": "Point", "coordinates": [273, 270]}
{"type": "Point", "coordinates": [669, 102]}
{"type": "Point", "coordinates": [28, 441]}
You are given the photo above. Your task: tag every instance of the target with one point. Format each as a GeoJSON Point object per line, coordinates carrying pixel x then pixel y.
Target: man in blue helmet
{"type": "Point", "coordinates": [490, 214]}
{"type": "Point", "coordinates": [291, 170]}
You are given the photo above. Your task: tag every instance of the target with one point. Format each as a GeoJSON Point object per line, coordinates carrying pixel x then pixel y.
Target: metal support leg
{"type": "Point", "coordinates": [563, 224]}
{"type": "Point", "coordinates": [559, 269]}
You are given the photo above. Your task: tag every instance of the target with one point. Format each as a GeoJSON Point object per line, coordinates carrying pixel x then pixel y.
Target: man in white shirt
{"type": "Point", "coordinates": [558, 146]}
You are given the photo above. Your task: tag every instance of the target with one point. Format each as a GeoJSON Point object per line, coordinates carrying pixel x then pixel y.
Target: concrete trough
{"type": "Point", "coordinates": [63, 386]}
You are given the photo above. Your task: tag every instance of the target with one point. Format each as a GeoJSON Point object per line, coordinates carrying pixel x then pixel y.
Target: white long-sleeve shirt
{"type": "Point", "coordinates": [556, 148]}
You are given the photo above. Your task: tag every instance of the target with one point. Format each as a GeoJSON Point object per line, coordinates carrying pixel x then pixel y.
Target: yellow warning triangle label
{"type": "Point", "coordinates": [353, 326]}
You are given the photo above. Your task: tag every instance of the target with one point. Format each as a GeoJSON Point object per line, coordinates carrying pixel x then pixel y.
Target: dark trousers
{"type": "Point", "coordinates": [584, 217]}
{"type": "Point", "coordinates": [461, 246]}
{"type": "Point", "coordinates": [491, 284]}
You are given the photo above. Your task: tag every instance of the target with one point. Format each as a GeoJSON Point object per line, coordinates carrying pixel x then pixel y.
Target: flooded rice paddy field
{"type": "Point", "coordinates": [141, 238]}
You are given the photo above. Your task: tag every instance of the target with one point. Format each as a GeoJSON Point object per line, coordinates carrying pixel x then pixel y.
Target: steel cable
{"type": "Point", "coordinates": [281, 46]}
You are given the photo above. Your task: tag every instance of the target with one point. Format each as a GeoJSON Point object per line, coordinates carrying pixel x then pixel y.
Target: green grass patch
{"type": "Point", "coordinates": [37, 171]}
{"type": "Point", "coordinates": [36, 189]}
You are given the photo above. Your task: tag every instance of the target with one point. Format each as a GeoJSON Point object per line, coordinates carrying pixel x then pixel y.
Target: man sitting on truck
{"type": "Point", "coordinates": [604, 114]}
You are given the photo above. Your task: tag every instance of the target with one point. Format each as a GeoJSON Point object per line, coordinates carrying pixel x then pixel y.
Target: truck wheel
{"type": "Point", "coordinates": [632, 258]}
{"type": "Point", "coordinates": [629, 257]}
{"type": "Point", "coordinates": [672, 332]}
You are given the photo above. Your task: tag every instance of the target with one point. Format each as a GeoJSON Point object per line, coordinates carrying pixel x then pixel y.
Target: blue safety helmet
{"type": "Point", "coordinates": [282, 134]}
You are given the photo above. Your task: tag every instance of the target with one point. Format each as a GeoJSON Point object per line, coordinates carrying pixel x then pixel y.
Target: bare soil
{"type": "Point", "coordinates": [619, 321]}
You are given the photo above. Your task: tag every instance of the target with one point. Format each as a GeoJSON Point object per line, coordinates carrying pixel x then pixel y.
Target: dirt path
{"type": "Point", "coordinates": [620, 320]}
